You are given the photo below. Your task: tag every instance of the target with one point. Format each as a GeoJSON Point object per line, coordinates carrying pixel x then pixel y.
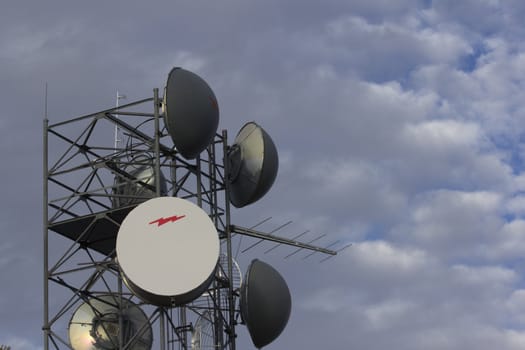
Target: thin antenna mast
{"type": "Point", "coordinates": [116, 139]}
{"type": "Point", "coordinates": [45, 102]}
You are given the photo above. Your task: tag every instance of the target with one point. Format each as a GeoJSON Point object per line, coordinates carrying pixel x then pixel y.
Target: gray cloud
{"type": "Point", "coordinates": [399, 127]}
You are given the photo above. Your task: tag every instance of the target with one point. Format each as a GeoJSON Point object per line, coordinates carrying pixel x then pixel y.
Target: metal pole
{"type": "Point", "coordinates": [162, 322]}
{"type": "Point", "coordinates": [218, 324]}
{"type": "Point", "coordinates": [182, 323]}
{"type": "Point", "coordinates": [115, 137]}
{"type": "Point", "coordinates": [120, 316]}
{"type": "Point", "coordinates": [199, 182]}
{"type": "Point", "coordinates": [45, 174]}
{"type": "Point", "coordinates": [157, 140]}
{"type": "Point", "coordinates": [231, 306]}
{"type": "Point", "coordinates": [156, 146]}
{"type": "Point", "coordinates": [213, 184]}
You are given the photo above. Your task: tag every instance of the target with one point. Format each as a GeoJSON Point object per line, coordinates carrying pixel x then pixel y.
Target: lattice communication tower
{"type": "Point", "coordinates": [138, 233]}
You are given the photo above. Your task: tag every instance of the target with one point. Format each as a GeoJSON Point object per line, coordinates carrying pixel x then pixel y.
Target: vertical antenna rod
{"type": "Point", "coordinates": [116, 125]}
{"type": "Point", "coordinates": [45, 171]}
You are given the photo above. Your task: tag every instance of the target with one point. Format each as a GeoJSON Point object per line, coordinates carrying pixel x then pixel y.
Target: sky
{"type": "Point", "coordinates": [398, 124]}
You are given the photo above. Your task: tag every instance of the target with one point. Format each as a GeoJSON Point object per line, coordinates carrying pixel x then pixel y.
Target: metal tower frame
{"type": "Point", "coordinates": [84, 173]}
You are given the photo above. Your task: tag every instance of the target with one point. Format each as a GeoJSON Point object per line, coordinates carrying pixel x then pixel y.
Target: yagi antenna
{"type": "Point", "coordinates": [276, 239]}
{"type": "Point", "coordinates": [293, 238]}
{"type": "Point", "coordinates": [337, 251]}
{"type": "Point", "coordinates": [252, 227]}
{"type": "Point", "coordinates": [270, 233]}
{"type": "Point", "coordinates": [309, 242]}
{"type": "Point", "coordinates": [328, 246]}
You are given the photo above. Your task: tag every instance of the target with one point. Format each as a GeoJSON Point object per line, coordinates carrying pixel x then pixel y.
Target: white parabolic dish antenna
{"type": "Point", "coordinates": [167, 249]}
{"type": "Point", "coordinates": [96, 325]}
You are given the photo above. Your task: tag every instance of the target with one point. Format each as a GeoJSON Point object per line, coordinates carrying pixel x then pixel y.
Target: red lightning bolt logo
{"type": "Point", "coordinates": [162, 221]}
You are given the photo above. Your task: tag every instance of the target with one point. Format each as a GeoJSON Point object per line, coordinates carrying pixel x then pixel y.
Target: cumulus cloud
{"type": "Point", "coordinates": [383, 257]}
{"type": "Point", "coordinates": [395, 39]}
{"type": "Point", "coordinates": [19, 343]}
{"type": "Point", "coordinates": [452, 223]}
{"type": "Point", "coordinates": [492, 88]}
{"type": "Point", "coordinates": [431, 304]}
{"type": "Point", "coordinates": [442, 135]}
{"type": "Point", "coordinates": [399, 126]}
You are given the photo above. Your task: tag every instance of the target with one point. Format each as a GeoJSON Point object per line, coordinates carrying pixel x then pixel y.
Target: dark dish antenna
{"type": "Point", "coordinates": [191, 112]}
{"type": "Point", "coordinates": [253, 165]}
{"type": "Point", "coordinates": [148, 249]}
{"type": "Point", "coordinates": [265, 303]}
